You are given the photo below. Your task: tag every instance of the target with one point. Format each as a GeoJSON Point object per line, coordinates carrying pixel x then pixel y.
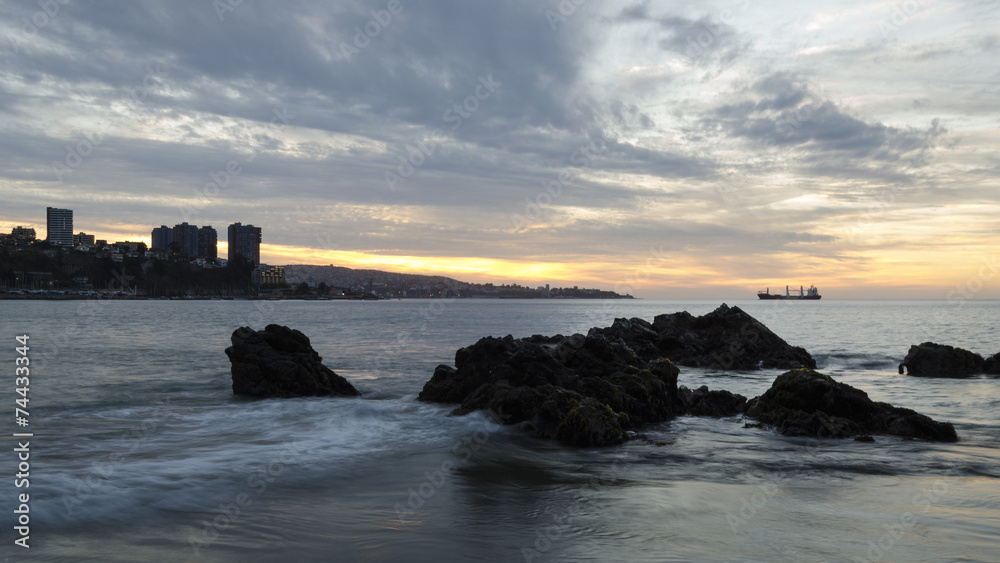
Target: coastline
{"type": "Point", "coordinates": [68, 296]}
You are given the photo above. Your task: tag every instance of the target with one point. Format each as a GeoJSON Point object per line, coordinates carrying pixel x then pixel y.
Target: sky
{"type": "Point", "coordinates": [666, 150]}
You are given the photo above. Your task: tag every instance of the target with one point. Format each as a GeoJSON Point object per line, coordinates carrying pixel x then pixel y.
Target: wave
{"type": "Point", "coordinates": [847, 361]}
{"type": "Point", "coordinates": [125, 464]}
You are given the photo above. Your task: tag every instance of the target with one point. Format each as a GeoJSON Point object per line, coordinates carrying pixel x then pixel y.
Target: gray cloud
{"type": "Point", "coordinates": [781, 111]}
{"type": "Point", "coordinates": [705, 40]}
{"type": "Point", "coordinates": [711, 129]}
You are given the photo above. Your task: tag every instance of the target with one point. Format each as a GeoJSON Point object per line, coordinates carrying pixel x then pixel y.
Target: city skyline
{"type": "Point", "coordinates": [194, 241]}
{"type": "Point", "coordinates": [688, 151]}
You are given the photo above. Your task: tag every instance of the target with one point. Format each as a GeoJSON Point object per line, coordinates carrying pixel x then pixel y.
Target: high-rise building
{"type": "Point", "coordinates": [208, 242]}
{"type": "Point", "coordinates": [59, 226]}
{"type": "Point", "coordinates": [186, 236]}
{"type": "Point", "coordinates": [162, 237]}
{"type": "Point", "coordinates": [244, 240]}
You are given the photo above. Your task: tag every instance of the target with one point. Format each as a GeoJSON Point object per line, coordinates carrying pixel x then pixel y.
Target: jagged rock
{"type": "Point", "coordinates": [726, 338]}
{"type": "Point", "coordinates": [719, 403]}
{"type": "Point", "coordinates": [939, 360]}
{"type": "Point", "coordinates": [590, 390]}
{"type": "Point", "coordinates": [280, 362]}
{"type": "Point", "coordinates": [804, 402]}
{"type": "Point", "coordinates": [580, 390]}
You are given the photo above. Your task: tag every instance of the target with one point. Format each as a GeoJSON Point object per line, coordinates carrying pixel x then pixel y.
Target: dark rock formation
{"type": "Point", "coordinates": [590, 390]}
{"type": "Point", "coordinates": [938, 360]}
{"type": "Point", "coordinates": [702, 402]}
{"type": "Point", "coordinates": [280, 362]}
{"type": "Point", "coordinates": [580, 390]}
{"type": "Point", "coordinates": [804, 402]}
{"type": "Point", "coordinates": [992, 364]}
{"type": "Point", "coordinates": [726, 338]}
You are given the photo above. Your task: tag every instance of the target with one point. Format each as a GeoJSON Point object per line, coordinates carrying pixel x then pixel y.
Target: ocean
{"type": "Point", "coordinates": [140, 451]}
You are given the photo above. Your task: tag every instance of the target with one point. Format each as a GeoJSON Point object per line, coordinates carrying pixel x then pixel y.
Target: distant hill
{"type": "Point", "coordinates": [338, 276]}
{"type": "Point", "coordinates": [392, 284]}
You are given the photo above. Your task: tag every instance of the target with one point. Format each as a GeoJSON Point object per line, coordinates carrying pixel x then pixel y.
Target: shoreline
{"type": "Point", "coordinates": [112, 297]}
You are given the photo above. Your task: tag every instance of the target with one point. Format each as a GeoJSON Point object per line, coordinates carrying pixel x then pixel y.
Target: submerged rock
{"type": "Point", "coordinates": [280, 362]}
{"type": "Point", "coordinates": [804, 402]}
{"type": "Point", "coordinates": [721, 403]}
{"type": "Point", "coordinates": [939, 360]}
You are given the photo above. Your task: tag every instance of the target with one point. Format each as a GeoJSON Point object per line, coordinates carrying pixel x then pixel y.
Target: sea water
{"type": "Point", "coordinates": [140, 451]}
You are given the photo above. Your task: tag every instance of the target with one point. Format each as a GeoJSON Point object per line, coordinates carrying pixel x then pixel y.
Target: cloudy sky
{"type": "Point", "coordinates": [698, 149]}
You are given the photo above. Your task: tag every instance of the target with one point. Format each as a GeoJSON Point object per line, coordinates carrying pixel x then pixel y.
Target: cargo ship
{"type": "Point", "coordinates": [811, 293]}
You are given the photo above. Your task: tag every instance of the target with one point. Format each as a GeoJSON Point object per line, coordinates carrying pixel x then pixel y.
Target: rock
{"type": "Point", "coordinates": [702, 402]}
{"type": "Point", "coordinates": [938, 360]}
{"type": "Point", "coordinates": [992, 364]}
{"type": "Point", "coordinates": [804, 402]}
{"type": "Point", "coordinates": [591, 390]}
{"type": "Point", "coordinates": [726, 338]}
{"type": "Point", "coordinates": [589, 423]}
{"type": "Point", "coordinates": [580, 390]}
{"type": "Point", "coordinates": [280, 362]}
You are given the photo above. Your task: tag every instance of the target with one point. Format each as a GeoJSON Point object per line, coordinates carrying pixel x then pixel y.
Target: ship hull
{"type": "Point", "coordinates": [767, 296]}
